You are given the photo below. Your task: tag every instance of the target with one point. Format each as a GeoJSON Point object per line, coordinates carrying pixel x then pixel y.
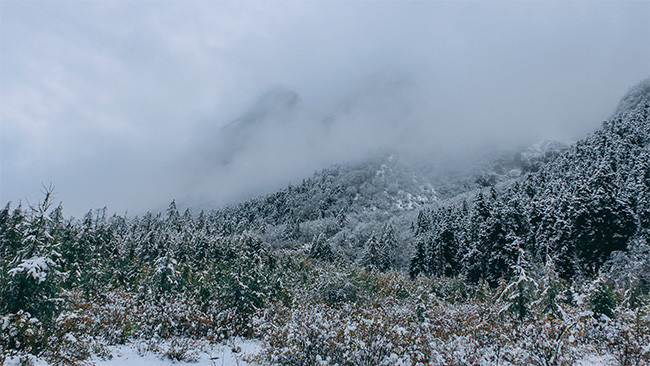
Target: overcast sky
{"type": "Point", "coordinates": [113, 101]}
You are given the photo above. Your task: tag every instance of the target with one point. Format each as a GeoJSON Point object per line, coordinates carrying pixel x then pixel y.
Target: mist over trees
{"type": "Point", "coordinates": [554, 256]}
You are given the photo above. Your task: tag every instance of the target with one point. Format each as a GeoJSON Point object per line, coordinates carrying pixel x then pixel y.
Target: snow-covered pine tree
{"type": "Point", "coordinates": [12, 227]}
{"type": "Point", "coordinates": [375, 255]}
{"type": "Point", "coordinates": [601, 297]}
{"type": "Point", "coordinates": [321, 249]}
{"type": "Point", "coordinates": [444, 248]}
{"type": "Point", "coordinates": [165, 276]}
{"type": "Point", "coordinates": [292, 230]}
{"type": "Point", "coordinates": [34, 275]}
{"type": "Point", "coordinates": [519, 292]}
{"type": "Point", "coordinates": [549, 291]}
{"type": "Point", "coordinates": [420, 263]}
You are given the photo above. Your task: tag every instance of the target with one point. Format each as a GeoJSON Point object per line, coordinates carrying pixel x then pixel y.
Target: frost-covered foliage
{"type": "Point", "coordinates": [518, 294]}
{"type": "Point", "coordinates": [343, 205]}
{"type": "Point", "coordinates": [541, 153]}
{"type": "Point", "coordinates": [549, 267]}
{"type": "Point", "coordinates": [635, 96]}
{"type": "Point", "coordinates": [34, 267]}
{"type": "Point", "coordinates": [441, 322]}
{"type": "Point", "coordinates": [110, 280]}
{"type": "Point", "coordinates": [591, 201]}
{"type": "Point", "coordinates": [165, 280]}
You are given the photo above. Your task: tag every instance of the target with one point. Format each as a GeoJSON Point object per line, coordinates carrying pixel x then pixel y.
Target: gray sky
{"type": "Point", "coordinates": [120, 104]}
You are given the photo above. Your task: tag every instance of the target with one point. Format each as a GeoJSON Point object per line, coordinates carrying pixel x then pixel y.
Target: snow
{"type": "Point", "coordinates": [597, 360]}
{"type": "Point", "coordinates": [232, 354]}
{"type": "Point", "coordinates": [35, 267]}
{"type": "Point", "coordinates": [15, 361]}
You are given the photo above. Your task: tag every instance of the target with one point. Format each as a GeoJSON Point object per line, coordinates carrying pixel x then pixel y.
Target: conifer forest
{"type": "Point", "coordinates": [357, 265]}
{"type": "Point", "coordinates": [406, 243]}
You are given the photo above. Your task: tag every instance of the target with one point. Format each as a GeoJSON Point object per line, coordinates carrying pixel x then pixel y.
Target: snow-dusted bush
{"type": "Point", "coordinates": [21, 332]}
{"type": "Point", "coordinates": [405, 323]}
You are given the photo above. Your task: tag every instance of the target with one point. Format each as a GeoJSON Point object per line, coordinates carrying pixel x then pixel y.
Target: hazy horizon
{"type": "Point", "coordinates": [123, 104]}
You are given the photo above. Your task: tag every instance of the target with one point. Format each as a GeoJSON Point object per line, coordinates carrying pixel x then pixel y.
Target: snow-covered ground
{"type": "Point", "coordinates": [220, 355]}
{"type": "Point", "coordinates": [233, 353]}
{"type": "Point", "coordinates": [230, 354]}
{"type": "Point", "coordinates": [597, 360]}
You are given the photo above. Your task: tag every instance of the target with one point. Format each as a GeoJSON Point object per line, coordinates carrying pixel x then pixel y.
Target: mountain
{"type": "Point", "coordinates": [345, 204]}
{"type": "Point", "coordinates": [272, 108]}
{"type": "Point", "coordinates": [554, 259]}
{"type": "Point", "coordinates": [575, 210]}
{"type": "Point", "coordinates": [576, 202]}
{"type": "Point", "coordinates": [635, 96]}
{"type": "Point", "coordinates": [306, 134]}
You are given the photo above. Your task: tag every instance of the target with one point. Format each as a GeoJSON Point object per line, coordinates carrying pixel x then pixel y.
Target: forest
{"type": "Point", "coordinates": [361, 264]}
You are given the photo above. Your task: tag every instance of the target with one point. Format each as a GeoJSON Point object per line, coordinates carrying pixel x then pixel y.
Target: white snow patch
{"type": "Point", "coordinates": [35, 267]}
{"type": "Point", "coordinates": [230, 354]}
{"type": "Point", "coordinates": [15, 361]}
{"type": "Point", "coordinates": [597, 360]}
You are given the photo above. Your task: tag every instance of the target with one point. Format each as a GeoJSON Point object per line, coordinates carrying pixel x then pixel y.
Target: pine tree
{"type": "Point", "coordinates": [375, 255]}
{"type": "Point", "coordinates": [423, 223]}
{"type": "Point", "coordinates": [12, 227]}
{"type": "Point", "coordinates": [603, 222]}
{"type": "Point", "coordinates": [321, 249]}
{"type": "Point", "coordinates": [519, 292]}
{"type": "Point", "coordinates": [165, 276]}
{"type": "Point", "coordinates": [601, 297]}
{"type": "Point", "coordinates": [292, 230]}
{"type": "Point", "coordinates": [389, 244]}
{"type": "Point", "coordinates": [549, 290]}
{"type": "Point", "coordinates": [443, 252]}
{"type": "Point", "coordinates": [633, 296]}
{"type": "Point", "coordinates": [420, 263]}
{"type": "Point", "coordinates": [34, 277]}
{"type": "Point", "coordinates": [341, 219]}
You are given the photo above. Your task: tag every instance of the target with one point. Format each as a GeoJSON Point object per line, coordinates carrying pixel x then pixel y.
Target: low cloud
{"type": "Point", "coordinates": [124, 104]}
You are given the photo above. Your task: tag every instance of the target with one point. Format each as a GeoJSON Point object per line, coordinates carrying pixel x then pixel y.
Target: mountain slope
{"type": "Point", "coordinates": [271, 108]}
{"type": "Point", "coordinates": [635, 96]}
{"type": "Point", "coordinates": [575, 210]}
{"type": "Point", "coordinates": [288, 267]}
{"type": "Point", "coordinates": [344, 205]}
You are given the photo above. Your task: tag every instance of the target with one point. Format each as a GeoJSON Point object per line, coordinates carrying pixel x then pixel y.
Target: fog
{"type": "Point", "coordinates": [132, 104]}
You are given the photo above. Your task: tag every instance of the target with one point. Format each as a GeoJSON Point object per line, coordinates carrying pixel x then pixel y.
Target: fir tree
{"type": "Point", "coordinates": [519, 292]}
{"type": "Point", "coordinates": [375, 255]}
{"type": "Point", "coordinates": [549, 290]}
{"type": "Point", "coordinates": [420, 263]}
{"type": "Point", "coordinates": [34, 276]}
{"type": "Point", "coordinates": [601, 298]}
{"type": "Point", "coordinates": [321, 249]}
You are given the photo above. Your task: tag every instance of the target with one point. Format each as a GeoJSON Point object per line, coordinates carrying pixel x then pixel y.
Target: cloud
{"type": "Point", "coordinates": [117, 103]}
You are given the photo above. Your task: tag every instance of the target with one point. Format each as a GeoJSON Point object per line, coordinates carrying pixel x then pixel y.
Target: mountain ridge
{"type": "Point", "coordinates": [560, 249]}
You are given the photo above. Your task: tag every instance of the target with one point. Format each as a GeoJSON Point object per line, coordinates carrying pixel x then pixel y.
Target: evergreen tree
{"type": "Point", "coordinates": [443, 253]}
{"type": "Point", "coordinates": [321, 249]}
{"type": "Point", "coordinates": [12, 227]}
{"type": "Point", "coordinates": [341, 219]}
{"type": "Point", "coordinates": [420, 263]}
{"type": "Point", "coordinates": [292, 230]}
{"type": "Point", "coordinates": [423, 223]}
{"type": "Point", "coordinates": [34, 277]}
{"type": "Point", "coordinates": [549, 290]}
{"type": "Point", "coordinates": [601, 299]}
{"type": "Point", "coordinates": [165, 276]}
{"type": "Point", "coordinates": [375, 255]}
{"type": "Point", "coordinates": [519, 292]}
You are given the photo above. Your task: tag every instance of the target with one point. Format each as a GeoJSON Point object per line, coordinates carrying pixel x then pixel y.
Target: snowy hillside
{"type": "Point", "coordinates": [547, 262]}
